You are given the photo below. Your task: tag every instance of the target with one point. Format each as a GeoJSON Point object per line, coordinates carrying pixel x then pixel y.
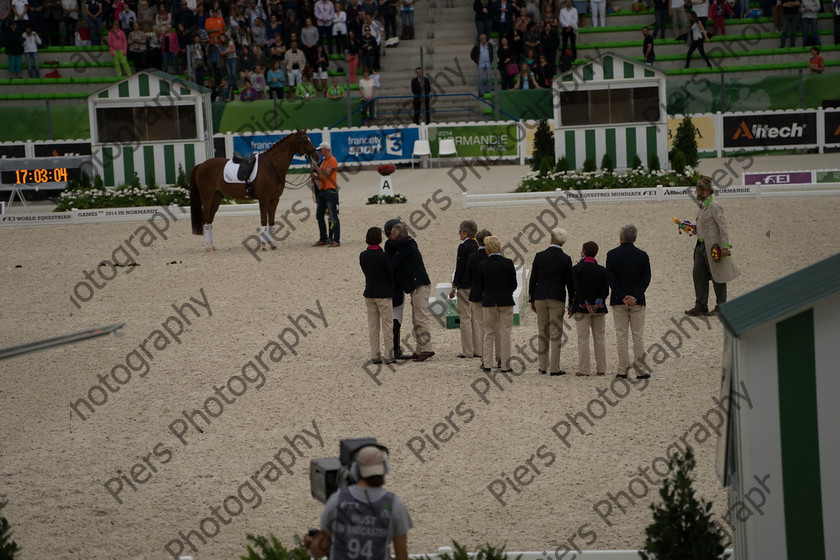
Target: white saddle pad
{"type": "Point", "coordinates": [232, 168]}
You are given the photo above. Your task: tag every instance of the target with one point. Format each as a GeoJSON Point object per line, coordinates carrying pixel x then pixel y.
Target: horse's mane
{"type": "Point", "coordinates": [284, 139]}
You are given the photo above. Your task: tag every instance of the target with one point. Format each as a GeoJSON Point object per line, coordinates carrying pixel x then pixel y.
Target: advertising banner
{"type": "Point", "coordinates": [770, 130]}
{"type": "Point", "coordinates": [247, 144]}
{"type": "Point", "coordinates": [828, 176]}
{"type": "Point", "coordinates": [779, 178]}
{"type": "Point", "coordinates": [705, 129]}
{"type": "Point", "coordinates": [832, 127]}
{"type": "Point", "coordinates": [485, 140]}
{"type": "Point", "coordinates": [373, 145]}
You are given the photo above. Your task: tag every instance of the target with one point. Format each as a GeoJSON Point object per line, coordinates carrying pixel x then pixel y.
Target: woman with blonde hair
{"type": "Point", "coordinates": [496, 282]}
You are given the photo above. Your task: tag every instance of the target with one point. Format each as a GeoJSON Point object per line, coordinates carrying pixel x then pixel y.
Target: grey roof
{"type": "Point", "coordinates": [175, 79]}
{"type": "Point", "coordinates": [783, 297]}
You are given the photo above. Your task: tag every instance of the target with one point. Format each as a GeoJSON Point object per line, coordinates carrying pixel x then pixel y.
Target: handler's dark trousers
{"type": "Point", "coordinates": [702, 274]}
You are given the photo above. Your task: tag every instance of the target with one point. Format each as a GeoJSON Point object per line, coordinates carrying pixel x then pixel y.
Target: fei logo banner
{"type": "Point", "coordinates": [248, 144]}
{"type": "Point", "coordinates": [362, 146]}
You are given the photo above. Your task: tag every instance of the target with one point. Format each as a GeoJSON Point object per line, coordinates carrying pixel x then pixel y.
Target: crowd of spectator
{"type": "Point", "coordinates": [272, 46]}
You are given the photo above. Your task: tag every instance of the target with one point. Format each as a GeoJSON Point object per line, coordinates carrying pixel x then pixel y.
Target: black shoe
{"type": "Point", "coordinates": [476, 355]}
{"type": "Point", "coordinates": [424, 356]}
{"type": "Point", "coordinates": [542, 371]}
{"type": "Point", "coordinates": [463, 356]}
{"type": "Point", "coordinates": [561, 372]}
{"type": "Point", "coordinates": [409, 356]}
{"type": "Point", "coordinates": [696, 311]}
{"type": "Point", "coordinates": [621, 376]}
{"type": "Point", "coordinates": [714, 311]}
{"type": "Point", "coordinates": [645, 376]}
{"type": "Point", "coordinates": [376, 362]}
{"type": "Point", "coordinates": [486, 369]}
{"type": "Point", "coordinates": [507, 371]}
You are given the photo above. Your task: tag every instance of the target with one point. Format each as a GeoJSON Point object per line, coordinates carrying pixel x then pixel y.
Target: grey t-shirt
{"type": "Point", "coordinates": [364, 522]}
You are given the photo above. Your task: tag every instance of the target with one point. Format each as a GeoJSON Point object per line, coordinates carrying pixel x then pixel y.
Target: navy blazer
{"type": "Point", "coordinates": [471, 276]}
{"type": "Point", "coordinates": [590, 281]}
{"type": "Point", "coordinates": [379, 276]}
{"type": "Point", "coordinates": [409, 270]}
{"type": "Point", "coordinates": [496, 281]}
{"type": "Point", "coordinates": [465, 249]}
{"type": "Point", "coordinates": [628, 273]}
{"type": "Point", "coordinates": [551, 276]}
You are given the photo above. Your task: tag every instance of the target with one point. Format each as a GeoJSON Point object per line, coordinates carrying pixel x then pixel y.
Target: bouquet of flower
{"type": "Point", "coordinates": [385, 169]}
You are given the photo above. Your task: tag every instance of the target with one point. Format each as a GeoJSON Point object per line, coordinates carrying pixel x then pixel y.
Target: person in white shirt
{"type": "Point", "coordinates": [569, 26]}
{"type": "Point", "coordinates": [31, 40]}
{"type": "Point", "coordinates": [20, 9]}
{"type": "Point", "coordinates": [367, 87]}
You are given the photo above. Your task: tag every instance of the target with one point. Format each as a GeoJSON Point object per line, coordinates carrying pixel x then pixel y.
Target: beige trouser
{"type": "Point", "coordinates": [626, 319]}
{"type": "Point", "coordinates": [498, 323]}
{"type": "Point", "coordinates": [550, 329]}
{"type": "Point", "coordinates": [471, 331]}
{"type": "Point", "coordinates": [477, 312]}
{"type": "Point", "coordinates": [380, 311]}
{"type": "Point", "coordinates": [596, 322]}
{"type": "Point", "coordinates": [420, 318]}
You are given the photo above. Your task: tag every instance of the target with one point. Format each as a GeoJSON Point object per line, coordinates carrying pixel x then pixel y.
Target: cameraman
{"type": "Point", "coordinates": [360, 522]}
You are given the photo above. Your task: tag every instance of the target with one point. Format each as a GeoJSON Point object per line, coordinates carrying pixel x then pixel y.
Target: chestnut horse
{"type": "Point", "coordinates": [208, 186]}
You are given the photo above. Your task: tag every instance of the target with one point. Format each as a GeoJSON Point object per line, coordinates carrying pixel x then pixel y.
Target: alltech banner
{"type": "Point", "coordinates": [765, 130]}
{"type": "Point", "coordinates": [485, 140]}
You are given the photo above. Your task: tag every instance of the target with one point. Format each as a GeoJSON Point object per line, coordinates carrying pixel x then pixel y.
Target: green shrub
{"type": "Point", "coordinates": [682, 527]}
{"type": "Point", "coordinates": [562, 165]}
{"type": "Point", "coordinates": [181, 180]}
{"type": "Point", "coordinates": [98, 183]}
{"type": "Point", "coordinates": [543, 145]}
{"type": "Point", "coordinates": [607, 163]}
{"type": "Point", "coordinates": [637, 162]}
{"type": "Point", "coordinates": [576, 180]}
{"type": "Point", "coordinates": [273, 549]}
{"type": "Point", "coordinates": [653, 162]}
{"type": "Point", "coordinates": [686, 142]}
{"type": "Point", "coordinates": [8, 547]}
{"type": "Point", "coordinates": [150, 181]}
{"type": "Point", "coordinates": [589, 165]}
{"type": "Point", "coordinates": [135, 181]}
{"type": "Point", "coordinates": [679, 163]}
{"type": "Point", "coordinates": [486, 552]}
{"type": "Point", "coordinates": [547, 165]}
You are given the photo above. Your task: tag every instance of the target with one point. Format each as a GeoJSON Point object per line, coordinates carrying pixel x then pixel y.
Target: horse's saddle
{"type": "Point", "coordinates": [246, 165]}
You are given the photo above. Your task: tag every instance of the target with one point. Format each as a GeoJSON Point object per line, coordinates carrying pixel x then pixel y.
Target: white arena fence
{"type": "Point", "coordinates": [138, 214]}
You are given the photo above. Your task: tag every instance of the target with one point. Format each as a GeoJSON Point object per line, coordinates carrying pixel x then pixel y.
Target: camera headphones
{"type": "Point", "coordinates": [354, 466]}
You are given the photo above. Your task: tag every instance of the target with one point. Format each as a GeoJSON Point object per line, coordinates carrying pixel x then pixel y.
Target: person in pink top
{"type": "Point", "coordinates": [170, 46]}
{"type": "Point", "coordinates": [118, 45]}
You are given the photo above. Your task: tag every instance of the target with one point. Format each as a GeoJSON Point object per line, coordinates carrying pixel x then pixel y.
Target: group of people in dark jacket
{"type": "Point", "coordinates": [484, 283]}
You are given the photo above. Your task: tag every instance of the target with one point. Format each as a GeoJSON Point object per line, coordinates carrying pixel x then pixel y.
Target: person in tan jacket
{"type": "Point", "coordinates": [711, 232]}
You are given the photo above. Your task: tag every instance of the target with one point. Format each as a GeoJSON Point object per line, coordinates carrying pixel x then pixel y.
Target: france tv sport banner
{"type": "Point", "coordinates": [372, 145]}
{"type": "Point", "coordinates": [247, 144]}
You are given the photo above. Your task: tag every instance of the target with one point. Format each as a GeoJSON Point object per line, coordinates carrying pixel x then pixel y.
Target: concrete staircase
{"type": "Point", "coordinates": [445, 36]}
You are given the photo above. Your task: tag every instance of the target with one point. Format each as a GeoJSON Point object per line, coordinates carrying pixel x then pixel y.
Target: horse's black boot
{"type": "Point", "coordinates": [249, 190]}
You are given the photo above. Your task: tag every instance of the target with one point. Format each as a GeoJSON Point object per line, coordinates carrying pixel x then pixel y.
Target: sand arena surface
{"type": "Point", "coordinates": [53, 465]}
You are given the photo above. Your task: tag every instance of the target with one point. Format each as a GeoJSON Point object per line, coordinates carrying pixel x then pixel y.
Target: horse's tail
{"type": "Point", "coordinates": [196, 215]}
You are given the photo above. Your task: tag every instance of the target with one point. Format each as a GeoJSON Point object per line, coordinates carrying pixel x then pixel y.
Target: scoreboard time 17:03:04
{"type": "Point", "coordinates": [56, 175]}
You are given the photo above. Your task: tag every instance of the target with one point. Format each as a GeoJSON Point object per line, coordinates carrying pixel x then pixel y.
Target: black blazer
{"type": "Point", "coordinates": [409, 270]}
{"type": "Point", "coordinates": [628, 273]}
{"type": "Point", "coordinates": [590, 282]}
{"type": "Point", "coordinates": [465, 249]}
{"type": "Point", "coordinates": [551, 276]}
{"type": "Point", "coordinates": [379, 276]}
{"type": "Point", "coordinates": [471, 275]}
{"type": "Point", "coordinates": [496, 281]}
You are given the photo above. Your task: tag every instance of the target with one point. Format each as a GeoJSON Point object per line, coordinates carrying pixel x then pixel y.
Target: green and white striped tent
{"type": "Point", "coordinates": [782, 344]}
{"type": "Point", "coordinates": [149, 124]}
{"type": "Point", "coordinates": [611, 105]}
